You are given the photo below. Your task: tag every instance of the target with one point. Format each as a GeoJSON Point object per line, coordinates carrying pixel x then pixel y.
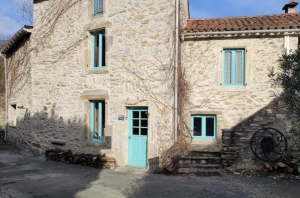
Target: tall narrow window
{"type": "Point", "coordinates": [203, 126]}
{"type": "Point", "coordinates": [98, 49]}
{"type": "Point", "coordinates": [97, 120]}
{"type": "Point", "coordinates": [98, 7]}
{"type": "Point", "coordinates": [233, 67]}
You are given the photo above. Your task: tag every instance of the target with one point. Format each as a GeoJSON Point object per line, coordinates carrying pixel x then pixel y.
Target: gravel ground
{"type": "Point", "coordinates": [24, 176]}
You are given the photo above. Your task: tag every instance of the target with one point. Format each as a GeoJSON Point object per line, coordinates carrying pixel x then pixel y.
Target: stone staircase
{"type": "Point", "coordinates": [200, 161]}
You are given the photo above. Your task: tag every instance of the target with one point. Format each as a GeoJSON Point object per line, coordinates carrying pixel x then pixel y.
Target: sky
{"type": "Point", "coordinates": [227, 8]}
{"type": "Point", "coordinates": [10, 23]}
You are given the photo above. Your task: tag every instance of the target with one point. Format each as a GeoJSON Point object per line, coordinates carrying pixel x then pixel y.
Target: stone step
{"type": "Point", "coordinates": [198, 170]}
{"type": "Point", "coordinates": [204, 166]}
{"type": "Point", "coordinates": [204, 154]}
{"type": "Point", "coordinates": [199, 160]}
{"type": "Point", "coordinates": [199, 157]}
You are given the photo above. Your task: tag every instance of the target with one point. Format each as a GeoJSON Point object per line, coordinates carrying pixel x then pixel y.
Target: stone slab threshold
{"type": "Point", "coordinates": [131, 170]}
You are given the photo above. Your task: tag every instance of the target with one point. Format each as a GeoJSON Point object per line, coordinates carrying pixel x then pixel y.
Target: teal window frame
{"type": "Point", "coordinates": [203, 135]}
{"type": "Point", "coordinates": [97, 7]}
{"type": "Point", "coordinates": [98, 50]}
{"type": "Point", "coordinates": [233, 71]}
{"type": "Point", "coordinates": [100, 117]}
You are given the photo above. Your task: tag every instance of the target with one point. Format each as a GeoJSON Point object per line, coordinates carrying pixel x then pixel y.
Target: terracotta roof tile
{"type": "Point", "coordinates": [265, 22]}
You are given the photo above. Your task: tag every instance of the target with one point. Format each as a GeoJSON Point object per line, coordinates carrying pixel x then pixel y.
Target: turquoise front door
{"type": "Point", "coordinates": [137, 137]}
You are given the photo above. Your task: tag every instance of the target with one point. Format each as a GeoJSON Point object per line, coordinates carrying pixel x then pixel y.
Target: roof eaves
{"type": "Point", "coordinates": [263, 22]}
{"type": "Point", "coordinates": [38, 1]}
{"type": "Point", "coordinates": [26, 30]}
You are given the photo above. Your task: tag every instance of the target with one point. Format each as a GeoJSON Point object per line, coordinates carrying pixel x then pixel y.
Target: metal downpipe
{"type": "Point", "coordinates": [6, 113]}
{"type": "Point", "coordinates": [176, 73]}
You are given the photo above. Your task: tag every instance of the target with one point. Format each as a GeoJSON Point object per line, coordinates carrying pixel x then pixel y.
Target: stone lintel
{"type": "Point", "coordinates": [95, 94]}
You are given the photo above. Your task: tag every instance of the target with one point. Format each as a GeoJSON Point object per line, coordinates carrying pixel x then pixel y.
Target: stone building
{"type": "Point", "coordinates": [99, 81]}
{"type": "Point", "coordinates": [18, 68]}
{"type": "Point", "coordinates": [98, 76]}
{"type": "Point", "coordinates": [234, 56]}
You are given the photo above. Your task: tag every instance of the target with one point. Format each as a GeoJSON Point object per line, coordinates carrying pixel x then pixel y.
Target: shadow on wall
{"type": "Point", "coordinates": [44, 130]}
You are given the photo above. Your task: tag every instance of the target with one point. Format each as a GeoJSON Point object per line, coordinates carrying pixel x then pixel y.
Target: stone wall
{"type": "Point", "coordinates": [19, 96]}
{"type": "Point", "coordinates": [202, 60]}
{"type": "Point", "coordinates": [236, 152]}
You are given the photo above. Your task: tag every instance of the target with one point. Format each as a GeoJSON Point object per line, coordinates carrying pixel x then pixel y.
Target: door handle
{"type": "Point", "coordinates": [129, 137]}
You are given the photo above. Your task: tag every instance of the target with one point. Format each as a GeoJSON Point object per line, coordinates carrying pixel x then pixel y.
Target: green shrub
{"type": "Point", "coordinates": [2, 127]}
{"type": "Point", "coordinates": [289, 79]}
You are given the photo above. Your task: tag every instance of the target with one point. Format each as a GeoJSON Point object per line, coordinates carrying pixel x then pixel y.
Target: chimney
{"type": "Point", "coordinates": [290, 7]}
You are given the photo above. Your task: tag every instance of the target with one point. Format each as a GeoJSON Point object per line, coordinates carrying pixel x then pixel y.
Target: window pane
{"type": "Point", "coordinates": [135, 123]}
{"type": "Point", "coordinates": [144, 114]}
{"type": "Point", "coordinates": [98, 6]}
{"type": "Point", "coordinates": [197, 126]}
{"type": "Point", "coordinates": [97, 119]}
{"type": "Point", "coordinates": [96, 51]}
{"type": "Point", "coordinates": [238, 67]}
{"type": "Point", "coordinates": [144, 131]}
{"type": "Point", "coordinates": [210, 126]}
{"type": "Point", "coordinates": [144, 123]}
{"type": "Point", "coordinates": [135, 131]}
{"type": "Point", "coordinates": [103, 117]}
{"type": "Point", "coordinates": [135, 114]}
{"type": "Point", "coordinates": [227, 68]}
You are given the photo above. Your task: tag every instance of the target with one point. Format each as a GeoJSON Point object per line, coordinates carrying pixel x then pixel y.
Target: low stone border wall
{"type": "Point", "coordinates": [96, 161]}
{"type": "Point", "coordinates": [236, 152]}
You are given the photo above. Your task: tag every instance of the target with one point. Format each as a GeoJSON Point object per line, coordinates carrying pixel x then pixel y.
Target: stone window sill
{"type": "Point", "coordinates": [234, 88]}
{"type": "Point", "coordinates": [100, 15]}
{"type": "Point", "coordinates": [106, 144]}
{"type": "Point", "coordinates": [100, 71]}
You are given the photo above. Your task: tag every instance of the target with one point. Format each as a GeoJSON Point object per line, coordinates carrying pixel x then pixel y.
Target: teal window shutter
{"type": "Point", "coordinates": [98, 7]}
{"type": "Point", "coordinates": [227, 67]}
{"type": "Point", "coordinates": [96, 121]}
{"type": "Point", "coordinates": [100, 119]}
{"type": "Point", "coordinates": [238, 68]}
{"type": "Point", "coordinates": [98, 50]}
{"type": "Point", "coordinates": [92, 121]}
{"type": "Point", "coordinates": [233, 67]}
